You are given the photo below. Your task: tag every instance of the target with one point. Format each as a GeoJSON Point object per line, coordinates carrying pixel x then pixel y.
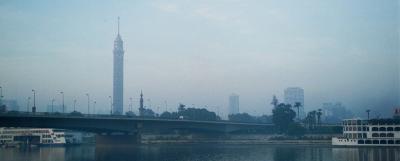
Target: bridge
{"type": "Point", "coordinates": [120, 129]}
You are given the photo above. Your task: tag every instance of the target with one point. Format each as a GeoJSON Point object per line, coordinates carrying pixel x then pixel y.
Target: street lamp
{"type": "Point", "coordinates": [94, 107]}
{"type": "Point", "coordinates": [368, 111]}
{"type": "Point", "coordinates": [63, 107]}
{"type": "Point", "coordinates": [27, 104]}
{"type": "Point", "coordinates": [130, 104]}
{"type": "Point", "coordinates": [74, 104]}
{"type": "Point", "coordinates": [88, 103]}
{"type": "Point", "coordinates": [52, 105]}
{"type": "Point", "coordinates": [111, 104]}
{"type": "Point", "coordinates": [34, 101]}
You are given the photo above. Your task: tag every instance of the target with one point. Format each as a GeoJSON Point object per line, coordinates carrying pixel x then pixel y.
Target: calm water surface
{"type": "Point", "coordinates": [203, 152]}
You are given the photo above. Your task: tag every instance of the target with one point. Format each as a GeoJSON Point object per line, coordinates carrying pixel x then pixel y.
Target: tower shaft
{"type": "Point", "coordinates": [118, 75]}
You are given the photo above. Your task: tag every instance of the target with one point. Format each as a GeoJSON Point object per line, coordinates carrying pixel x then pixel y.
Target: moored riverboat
{"type": "Point", "coordinates": [374, 132]}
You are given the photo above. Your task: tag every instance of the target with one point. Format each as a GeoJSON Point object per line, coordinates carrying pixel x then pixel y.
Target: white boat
{"type": "Point", "coordinates": [374, 132]}
{"type": "Point", "coordinates": [30, 136]}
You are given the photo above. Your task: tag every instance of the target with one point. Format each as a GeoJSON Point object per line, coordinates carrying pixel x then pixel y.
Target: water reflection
{"type": "Point", "coordinates": [201, 152]}
{"type": "Point", "coordinates": [367, 154]}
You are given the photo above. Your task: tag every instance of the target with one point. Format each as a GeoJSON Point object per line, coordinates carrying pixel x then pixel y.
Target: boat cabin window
{"type": "Point", "coordinates": [375, 135]}
{"type": "Point", "coordinates": [397, 141]}
{"type": "Point", "coordinates": [383, 141]}
{"type": "Point", "coordinates": [368, 142]}
{"type": "Point", "coordinates": [374, 128]}
{"type": "Point", "coordinates": [375, 142]}
{"type": "Point", "coordinates": [390, 141]}
{"type": "Point", "coordinates": [364, 135]}
{"type": "Point", "coordinates": [390, 135]}
{"type": "Point", "coordinates": [382, 135]}
{"type": "Point", "coordinates": [382, 129]}
{"type": "Point", "coordinates": [397, 129]}
{"type": "Point", "coordinates": [360, 141]}
{"type": "Point", "coordinates": [389, 129]}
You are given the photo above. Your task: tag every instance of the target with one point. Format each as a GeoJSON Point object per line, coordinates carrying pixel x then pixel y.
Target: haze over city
{"type": "Point", "coordinates": [199, 52]}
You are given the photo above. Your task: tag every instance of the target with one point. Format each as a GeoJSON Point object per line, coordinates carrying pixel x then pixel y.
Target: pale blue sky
{"type": "Point", "coordinates": [198, 52]}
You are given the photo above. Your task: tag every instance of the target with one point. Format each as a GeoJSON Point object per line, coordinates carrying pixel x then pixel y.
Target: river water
{"type": "Point", "coordinates": [200, 152]}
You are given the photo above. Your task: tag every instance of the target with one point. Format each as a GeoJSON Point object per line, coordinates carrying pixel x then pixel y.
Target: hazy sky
{"type": "Point", "coordinates": [199, 52]}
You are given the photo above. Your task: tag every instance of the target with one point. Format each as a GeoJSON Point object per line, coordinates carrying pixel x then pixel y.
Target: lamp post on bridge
{"type": "Point", "coordinates": [111, 104]}
{"type": "Point", "coordinates": [52, 105]}
{"type": "Point", "coordinates": [88, 103]}
{"type": "Point", "coordinates": [63, 107]}
{"type": "Point", "coordinates": [74, 105]}
{"type": "Point", "coordinates": [130, 104]}
{"type": "Point", "coordinates": [34, 101]}
{"type": "Point", "coordinates": [27, 104]}
{"type": "Point", "coordinates": [94, 107]}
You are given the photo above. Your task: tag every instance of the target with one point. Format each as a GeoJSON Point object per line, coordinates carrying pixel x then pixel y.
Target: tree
{"type": "Point", "coordinates": [298, 105]}
{"type": "Point", "coordinates": [3, 109]}
{"type": "Point", "coordinates": [148, 112]}
{"type": "Point", "coordinates": [264, 119]}
{"type": "Point", "coordinates": [76, 113]}
{"type": "Point", "coordinates": [275, 101]}
{"type": "Point", "coordinates": [310, 120]}
{"type": "Point", "coordinates": [130, 114]}
{"type": "Point", "coordinates": [282, 117]}
{"type": "Point", "coordinates": [319, 113]}
{"type": "Point", "coordinates": [181, 107]}
{"type": "Point", "coordinates": [191, 114]}
{"type": "Point", "coordinates": [242, 117]}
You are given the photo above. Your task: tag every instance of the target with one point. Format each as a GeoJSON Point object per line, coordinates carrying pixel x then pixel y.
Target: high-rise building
{"type": "Point", "coordinates": [293, 95]}
{"type": "Point", "coordinates": [118, 81]}
{"type": "Point", "coordinates": [233, 104]}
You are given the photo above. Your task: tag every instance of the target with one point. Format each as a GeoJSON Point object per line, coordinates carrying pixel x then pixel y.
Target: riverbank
{"type": "Point", "coordinates": [242, 142]}
{"type": "Point", "coordinates": [239, 139]}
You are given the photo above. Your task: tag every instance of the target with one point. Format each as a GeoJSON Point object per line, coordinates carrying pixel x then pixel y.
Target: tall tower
{"type": "Point", "coordinates": [233, 104]}
{"type": "Point", "coordinates": [141, 108]}
{"type": "Point", "coordinates": [118, 81]}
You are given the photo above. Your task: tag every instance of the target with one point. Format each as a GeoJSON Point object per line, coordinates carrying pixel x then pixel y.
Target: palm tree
{"type": "Point", "coordinates": [298, 105]}
{"type": "Point", "coordinates": [319, 113]}
{"type": "Point", "coordinates": [310, 119]}
{"type": "Point", "coordinates": [368, 111]}
{"type": "Point", "coordinates": [313, 118]}
{"type": "Point", "coordinates": [275, 101]}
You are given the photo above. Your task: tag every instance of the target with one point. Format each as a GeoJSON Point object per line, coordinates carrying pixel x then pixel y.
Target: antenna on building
{"type": "Point", "coordinates": [118, 25]}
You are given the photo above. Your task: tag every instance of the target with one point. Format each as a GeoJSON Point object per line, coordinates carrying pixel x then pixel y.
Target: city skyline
{"type": "Point", "coordinates": [203, 53]}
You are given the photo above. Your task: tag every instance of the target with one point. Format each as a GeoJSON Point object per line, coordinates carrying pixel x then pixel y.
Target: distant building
{"type": "Point", "coordinates": [335, 112]}
{"type": "Point", "coordinates": [233, 104]}
{"type": "Point", "coordinates": [293, 95]}
{"type": "Point", "coordinates": [11, 105]}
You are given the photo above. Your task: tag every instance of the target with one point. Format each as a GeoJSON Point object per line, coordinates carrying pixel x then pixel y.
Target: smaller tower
{"type": "Point", "coordinates": [141, 108]}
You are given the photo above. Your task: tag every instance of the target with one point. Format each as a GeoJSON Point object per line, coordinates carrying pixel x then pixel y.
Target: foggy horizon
{"type": "Point", "coordinates": [199, 53]}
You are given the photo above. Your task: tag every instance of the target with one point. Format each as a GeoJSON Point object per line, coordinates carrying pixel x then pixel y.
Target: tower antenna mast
{"type": "Point", "coordinates": [118, 25]}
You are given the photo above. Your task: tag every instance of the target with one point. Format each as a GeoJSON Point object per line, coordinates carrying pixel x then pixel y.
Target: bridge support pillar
{"type": "Point", "coordinates": [130, 139]}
